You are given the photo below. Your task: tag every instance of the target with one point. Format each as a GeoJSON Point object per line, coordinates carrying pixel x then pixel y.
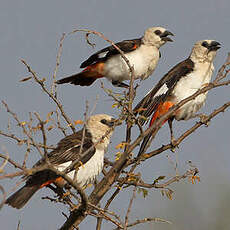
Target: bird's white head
{"type": "Point", "coordinates": [204, 51]}
{"type": "Point", "coordinates": [157, 36]}
{"type": "Point", "coordinates": [101, 125]}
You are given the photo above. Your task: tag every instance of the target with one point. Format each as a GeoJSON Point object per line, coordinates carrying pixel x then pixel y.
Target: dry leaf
{"type": "Point", "coordinates": [23, 123]}
{"type": "Point", "coordinates": [78, 122]}
{"type": "Point", "coordinates": [121, 145]}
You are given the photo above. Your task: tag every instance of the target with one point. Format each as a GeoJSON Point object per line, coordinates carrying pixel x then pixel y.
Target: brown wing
{"type": "Point", "coordinates": [68, 149]}
{"type": "Point", "coordinates": [149, 103]}
{"type": "Point", "coordinates": [126, 46]}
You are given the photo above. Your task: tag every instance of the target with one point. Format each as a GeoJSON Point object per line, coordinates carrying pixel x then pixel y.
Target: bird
{"type": "Point", "coordinates": [143, 54]}
{"type": "Point", "coordinates": [182, 81]}
{"type": "Point", "coordinates": [93, 140]}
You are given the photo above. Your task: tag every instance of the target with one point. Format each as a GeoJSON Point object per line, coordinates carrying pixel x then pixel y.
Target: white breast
{"type": "Point", "coordinates": [144, 59]}
{"type": "Point", "coordinates": [87, 172]}
{"type": "Point", "coordinates": [187, 86]}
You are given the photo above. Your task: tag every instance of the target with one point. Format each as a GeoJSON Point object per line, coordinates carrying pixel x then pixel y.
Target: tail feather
{"type": "Point", "coordinates": [160, 111]}
{"type": "Point", "coordinates": [144, 144]}
{"type": "Point", "coordinates": [82, 79]}
{"type": "Point", "coordinates": [22, 196]}
{"type": "Point", "coordinates": [86, 77]}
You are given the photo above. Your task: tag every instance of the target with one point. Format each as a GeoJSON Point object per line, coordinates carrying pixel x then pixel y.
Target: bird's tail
{"type": "Point", "coordinates": [86, 77]}
{"type": "Point", "coordinates": [22, 196]}
{"type": "Point", "coordinates": [162, 109]}
{"type": "Point", "coordinates": [144, 144]}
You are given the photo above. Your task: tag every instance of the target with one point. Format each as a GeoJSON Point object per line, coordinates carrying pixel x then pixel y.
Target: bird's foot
{"type": "Point", "coordinates": [203, 119]}
{"type": "Point", "coordinates": [173, 144]}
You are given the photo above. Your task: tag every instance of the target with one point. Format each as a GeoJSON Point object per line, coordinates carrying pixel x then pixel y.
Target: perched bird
{"type": "Point", "coordinates": [142, 53]}
{"type": "Point", "coordinates": [98, 131]}
{"type": "Point", "coordinates": [182, 81]}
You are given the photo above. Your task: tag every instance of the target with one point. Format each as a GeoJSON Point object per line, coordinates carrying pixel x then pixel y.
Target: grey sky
{"type": "Point", "coordinates": [31, 29]}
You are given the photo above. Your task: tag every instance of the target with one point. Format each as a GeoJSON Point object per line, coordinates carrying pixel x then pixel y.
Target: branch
{"type": "Point", "coordinates": [23, 141]}
{"type": "Point", "coordinates": [129, 208]}
{"type": "Point", "coordinates": [15, 164]}
{"type": "Point", "coordinates": [191, 172]}
{"type": "Point", "coordinates": [149, 220]}
{"type": "Point", "coordinates": [43, 134]}
{"type": "Point", "coordinates": [54, 86]}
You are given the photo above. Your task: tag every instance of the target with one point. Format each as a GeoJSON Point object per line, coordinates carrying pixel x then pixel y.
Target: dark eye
{"type": "Point", "coordinates": [108, 123]}
{"type": "Point", "coordinates": [205, 44]}
{"type": "Point", "coordinates": [104, 121]}
{"type": "Point", "coordinates": [157, 32]}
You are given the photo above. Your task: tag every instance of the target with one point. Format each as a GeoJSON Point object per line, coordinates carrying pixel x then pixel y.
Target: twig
{"type": "Point", "coordinates": [3, 196]}
{"type": "Point", "coordinates": [149, 220]}
{"type": "Point", "coordinates": [104, 216]}
{"type": "Point", "coordinates": [23, 141]}
{"type": "Point", "coordinates": [59, 123]}
{"type": "Point", "coordinates": [20, 124]}
{"type": "Point", "coordinates": [12, 175]}
{"type": "Point", "coordinates": [142, 184]}
{"type": "Point", "coordinates": [54, 86]}
{"type": "Point", "coordinates": [129, 208]}
{"type": "Point", "coordinates": [59, 105]}
{"type": "Point", "coordinates": [15, 164]}
{"type": "Point", "coordinates": [41, 123]}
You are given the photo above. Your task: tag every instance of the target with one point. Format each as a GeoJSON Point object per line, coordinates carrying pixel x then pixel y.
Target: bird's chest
{"type": "Point", "coordinates": [144, 61]}
{"type": "Point", "coordinates": [87, 172]}
{"type": "Point", "coordinates": [186, 87]}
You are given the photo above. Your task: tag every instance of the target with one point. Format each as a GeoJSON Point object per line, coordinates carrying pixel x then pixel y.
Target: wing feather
{"type": "Point", "coordinates": [150, 102]}
{"type": "Point", "coordinates": [68, 149]}
{"type": "Point", "coordinates": [126, 46]}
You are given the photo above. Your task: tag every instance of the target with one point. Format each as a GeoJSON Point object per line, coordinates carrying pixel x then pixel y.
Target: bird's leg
{"type": "Point", "coordinates": [202, 117]}
{"type": "Point", "coordinates": [170, 120]}
{"type": "Point", "coordinates": [120, 84]}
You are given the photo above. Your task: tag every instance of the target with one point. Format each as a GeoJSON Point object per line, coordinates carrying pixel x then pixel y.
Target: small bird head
{"type": "Point", "coordinates": [101, 125]}
{"type": "Point", "coordinates": [205, 50]}
{"type": "Point", "coordinates": [157, 36]}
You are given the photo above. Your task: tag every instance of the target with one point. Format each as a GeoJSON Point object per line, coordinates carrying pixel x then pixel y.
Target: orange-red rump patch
{"type": "Point", "coordinates": [57, 180]}
{"type": "Point", "coordinates": [134, 46]}
{"type": "Point", "coordinates": [95, 70]}
{"type": "Point", "coordinates": [162, 109]}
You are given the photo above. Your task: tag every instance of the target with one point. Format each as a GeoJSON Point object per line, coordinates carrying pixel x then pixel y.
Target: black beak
{"type": "Point", "coordinates": [113, 122]}
{"type": "Point", "coordinates": [164, 36]}
{"type": "Point", "coordinates": [214, 46]}
{"type": "Point", "coordinates": [116, 122]}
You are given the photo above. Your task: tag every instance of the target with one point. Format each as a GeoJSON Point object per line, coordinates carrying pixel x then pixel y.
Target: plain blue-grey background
{"type": "Point", "coordinates": [31, 30]}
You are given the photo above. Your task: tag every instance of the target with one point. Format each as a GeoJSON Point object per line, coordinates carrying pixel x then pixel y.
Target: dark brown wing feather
{"type": "Point", "coordinates": [149, 103]}
{"type": "Point", "coordinates": [69, 147]}
{"type": "Point", "coordinates": [126, 46]}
